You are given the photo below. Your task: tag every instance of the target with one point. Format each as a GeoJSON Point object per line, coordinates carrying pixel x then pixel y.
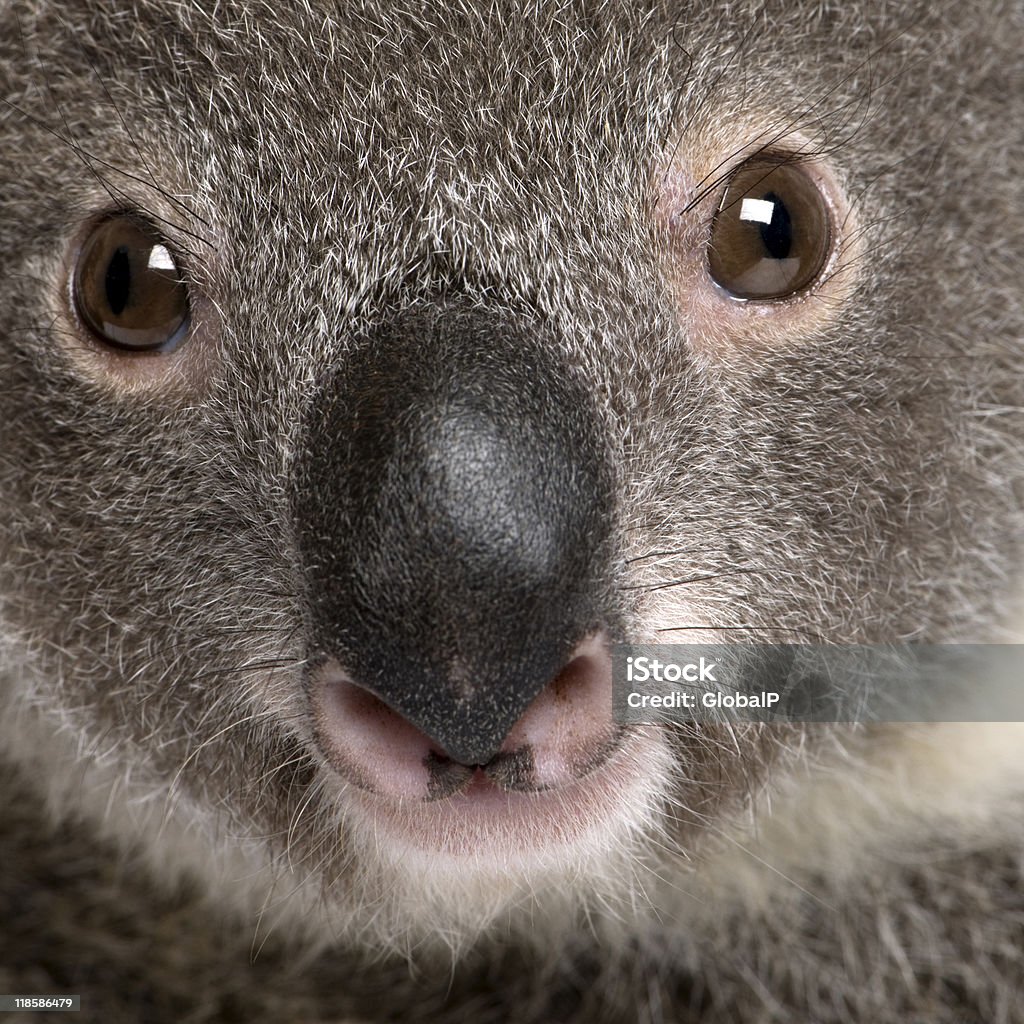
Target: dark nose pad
{"type": "Point", "coordinates": [453, 502]}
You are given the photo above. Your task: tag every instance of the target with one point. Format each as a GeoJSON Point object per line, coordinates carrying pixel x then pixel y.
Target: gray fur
{"type": "Point", "coordinates": [171, 846]}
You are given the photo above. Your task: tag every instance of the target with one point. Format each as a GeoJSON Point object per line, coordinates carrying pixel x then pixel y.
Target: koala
{"type": "Point", "coordinates": [368, 371]}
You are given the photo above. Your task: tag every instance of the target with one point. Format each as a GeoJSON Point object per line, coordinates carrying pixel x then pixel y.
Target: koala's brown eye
{"type": "Point", "coordinates": [771, 236]}
{"type": "Point", "coordinates": [127, 288]}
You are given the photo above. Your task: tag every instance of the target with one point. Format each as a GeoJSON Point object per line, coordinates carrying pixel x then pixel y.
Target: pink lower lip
{"type": "Point", "coordinates": [484, 819]}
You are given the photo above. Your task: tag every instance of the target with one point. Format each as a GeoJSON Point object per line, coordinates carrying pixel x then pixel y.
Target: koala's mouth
{"type": "Point", "coordinates": [561, 750]}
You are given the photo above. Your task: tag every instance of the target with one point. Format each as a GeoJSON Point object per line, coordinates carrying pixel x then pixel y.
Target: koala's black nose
{"type": "Point", "coordinates": [453, 500]}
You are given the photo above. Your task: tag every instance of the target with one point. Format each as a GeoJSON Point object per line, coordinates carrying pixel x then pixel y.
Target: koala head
{"type": "Point", "coordinates": [366, 371]}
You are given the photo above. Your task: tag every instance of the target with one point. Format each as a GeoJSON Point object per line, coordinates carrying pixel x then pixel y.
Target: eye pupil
{"type": "Point", "coordinates": [128, 290]}
{"type": "Point", "coordinates": [772, 234]}
{"type": "Point", "coordinates": [118, 280]}
{"type": "Point", "coordinates": [777, 234]}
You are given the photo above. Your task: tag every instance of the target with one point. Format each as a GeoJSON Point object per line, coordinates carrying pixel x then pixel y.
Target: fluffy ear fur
{"type": "Point", "coordinates": [842, 465]}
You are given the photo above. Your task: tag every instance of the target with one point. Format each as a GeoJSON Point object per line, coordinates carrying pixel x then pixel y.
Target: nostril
{"type": "Point", "coordinates": [368, 742]}
{"type": "Point", "coordinates": [565, 733]}
{"type": "Point", "coordinates": [567, 730]}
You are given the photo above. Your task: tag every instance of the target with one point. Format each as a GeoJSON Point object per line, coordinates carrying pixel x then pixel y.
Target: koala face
{"type": "Point", "coordinates": [368, 371]}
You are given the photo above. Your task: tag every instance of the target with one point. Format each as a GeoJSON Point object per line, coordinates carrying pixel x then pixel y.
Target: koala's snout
{"type": "Point", "coordinates": [453, 501]}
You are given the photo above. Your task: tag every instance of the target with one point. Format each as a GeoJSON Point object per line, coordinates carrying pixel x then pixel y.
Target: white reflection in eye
{"type": "Point", "coordinates": [160, 258]}
{"type": "Point", "coordinates": [759, 210]}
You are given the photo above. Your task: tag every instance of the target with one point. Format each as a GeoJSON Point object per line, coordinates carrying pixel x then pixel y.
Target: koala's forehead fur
{"type": "Point", "coordinates": [321, 168]}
